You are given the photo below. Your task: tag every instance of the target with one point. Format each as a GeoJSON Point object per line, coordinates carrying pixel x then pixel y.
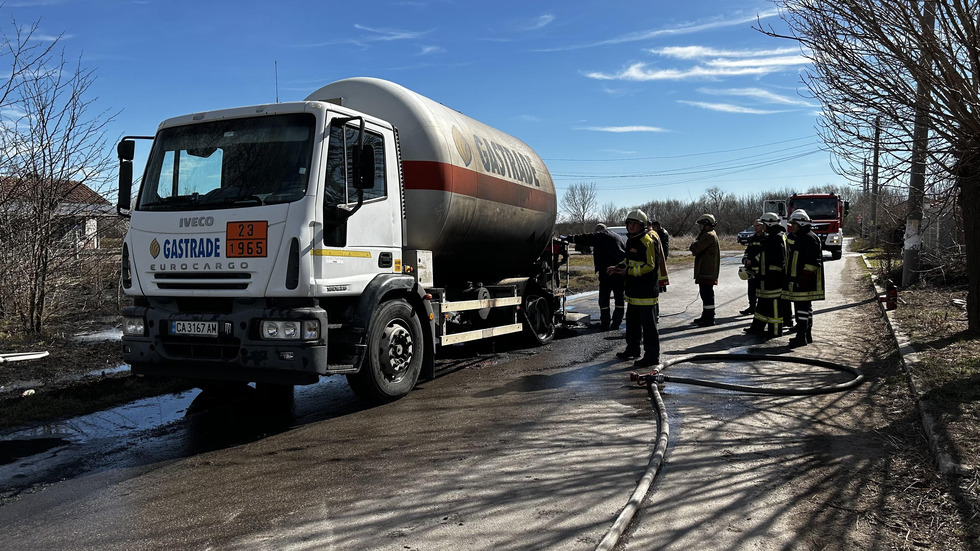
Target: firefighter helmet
{"type": "Point", "coordinates": [800, 217]}
{"type": "Point", "coordinates": [707, 219]}
{"type": "Point", "coordinates": [638, 215]}
{"type": "Point", "coordinates": [770, 219]}
{"type": "Point", "coordinates": [745, 274]}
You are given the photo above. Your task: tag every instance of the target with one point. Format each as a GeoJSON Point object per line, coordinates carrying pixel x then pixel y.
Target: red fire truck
{"type": "Point", "coordinates": [827, 210]}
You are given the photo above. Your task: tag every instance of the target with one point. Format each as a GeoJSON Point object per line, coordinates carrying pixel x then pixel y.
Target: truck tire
{"type": "Point", "coordinates": [393, 357]}
{"type": "Point", "coordinates": [539, 320]}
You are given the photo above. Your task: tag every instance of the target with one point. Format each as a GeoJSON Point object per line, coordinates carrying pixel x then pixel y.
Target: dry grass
{"type": "Point", "coordinates": [946, 370]}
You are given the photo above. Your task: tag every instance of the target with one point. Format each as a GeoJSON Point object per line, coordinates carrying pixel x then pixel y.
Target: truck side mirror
{"type": "Point", "coordinates": [126, 150]}
{"type": "Point", "coordinates": [364, 177]}
{"type": "Point", "coordinates": [847, 207]}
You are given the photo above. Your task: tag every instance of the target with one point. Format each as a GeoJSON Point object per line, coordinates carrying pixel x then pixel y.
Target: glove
{"type": "Point", "coordinates": [663, 288]}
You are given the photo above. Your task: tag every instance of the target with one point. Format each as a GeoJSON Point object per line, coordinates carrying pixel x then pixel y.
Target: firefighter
{"type": "Point", "coordinates": [749, 268]}
{"type": "Point", "coordinates": [641, 270]}
{"type": "Point", "coordinates": [707, 266]}
{"type": "Point", "coordinates": [770, 262]}
{"type": "Point", "coordinates": [662, 279]}
{"type": "Point", "coordinates": [608, 249]}
{"type": "Point", "coordinates": [664, 238]}
{"type": "Point", "coordinates": [804, 277]}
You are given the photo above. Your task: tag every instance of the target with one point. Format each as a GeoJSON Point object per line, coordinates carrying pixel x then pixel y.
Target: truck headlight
{"type": "Point", "coordinates": [134, 327]}
{"type": "Point", "coordinates": [306, 330]}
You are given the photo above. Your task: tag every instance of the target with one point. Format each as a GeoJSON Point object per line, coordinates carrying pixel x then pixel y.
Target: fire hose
{"type": "Point", "coordinates": [655, 379]}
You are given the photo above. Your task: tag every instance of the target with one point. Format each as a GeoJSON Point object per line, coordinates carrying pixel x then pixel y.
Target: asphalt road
{"type": "Point", "coordinates": [512, 448]}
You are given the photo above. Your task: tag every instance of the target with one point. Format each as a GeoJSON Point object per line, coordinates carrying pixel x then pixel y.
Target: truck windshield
{"type": "Point", "coordinates": [816, 207]}
{"type": "Point", "coordinates": [229, 163]}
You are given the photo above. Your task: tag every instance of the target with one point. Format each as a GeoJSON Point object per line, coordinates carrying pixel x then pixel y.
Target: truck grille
{"type": "Point", "coordinates": [195, 348]}
{"type": "Point", "coordinates": [224, 281]}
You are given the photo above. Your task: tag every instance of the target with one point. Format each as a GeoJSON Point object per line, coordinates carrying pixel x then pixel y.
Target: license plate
{"type": "Point", "coordinates": [194, 328]}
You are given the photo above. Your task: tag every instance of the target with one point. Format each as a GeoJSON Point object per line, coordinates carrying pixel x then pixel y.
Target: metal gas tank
{"type": "Point", "coordinates": [482, 200]}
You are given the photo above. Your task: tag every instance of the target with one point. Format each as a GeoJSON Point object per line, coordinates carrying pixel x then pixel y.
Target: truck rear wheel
{"type": "Point", "coordinates": [539, 320]}
{"type": "Point", "coordinates": [393, 358]}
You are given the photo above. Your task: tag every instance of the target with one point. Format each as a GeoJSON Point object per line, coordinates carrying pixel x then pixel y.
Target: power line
{"type": "Point", "coordinates": [680, 156]}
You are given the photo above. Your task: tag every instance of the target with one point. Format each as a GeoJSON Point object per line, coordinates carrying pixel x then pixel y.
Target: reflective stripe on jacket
{"type": "Point", "coordinates": [642, 252]}
{"type": "Point", "coordinates": [804, 268]}
{"type": "Point", "coordinates": [771, 265]}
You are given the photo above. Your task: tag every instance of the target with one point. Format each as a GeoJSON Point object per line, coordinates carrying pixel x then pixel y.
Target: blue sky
{"type": "Point", "coordinates": [647, 99]}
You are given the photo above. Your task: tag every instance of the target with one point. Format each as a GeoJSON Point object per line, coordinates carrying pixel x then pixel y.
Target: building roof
{"type": "Point", "coordinates": [75, 192]}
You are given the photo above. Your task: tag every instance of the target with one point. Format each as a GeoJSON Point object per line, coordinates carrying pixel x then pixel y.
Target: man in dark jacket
{"type": "Point", "coordinates": [804, 277]}
{"type": "Point", "coordinates": [771, 265]}
{"type": "Point", "coordinates": [752, 250]}
{"type": "Point", "coordinates": [608, 249]}
{"type": "Point", "coordinates": [664, 237]}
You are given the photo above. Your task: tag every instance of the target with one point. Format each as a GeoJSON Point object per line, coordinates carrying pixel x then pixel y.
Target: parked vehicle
{"type": "Point", "coordinates": [744, 235]}
{"type": "Point", "coordinates": [356, 232]}
{"type": "Point", "coordinates": [827, 210]}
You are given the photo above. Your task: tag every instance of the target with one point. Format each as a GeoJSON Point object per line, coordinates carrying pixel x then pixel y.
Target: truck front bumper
{"type": "Point", "coordinates": [236, 353]}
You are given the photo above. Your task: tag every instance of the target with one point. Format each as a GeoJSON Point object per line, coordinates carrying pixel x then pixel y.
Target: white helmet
{"type": "Point", "coordinates": [707, 219]}
{"type": "Point", "coordinates": [769, 219]}
{"type": "Point", "coordinates": [800, 217]}
{"type": "Point", "coordinates": [638, 216]}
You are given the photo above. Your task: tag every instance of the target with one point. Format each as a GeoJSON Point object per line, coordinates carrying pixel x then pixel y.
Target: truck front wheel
{"type": "Point", "coordinates": [393, 358]}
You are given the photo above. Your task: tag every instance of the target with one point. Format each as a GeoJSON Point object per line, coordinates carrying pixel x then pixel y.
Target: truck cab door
{"type": "Point", "coordinates": [359, 242]}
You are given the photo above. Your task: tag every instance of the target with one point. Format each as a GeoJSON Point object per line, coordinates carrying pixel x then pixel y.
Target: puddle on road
{"type": "Point", "coordinates": [110, 334]}
{"type": "Point", "coordinates": [143, 418]}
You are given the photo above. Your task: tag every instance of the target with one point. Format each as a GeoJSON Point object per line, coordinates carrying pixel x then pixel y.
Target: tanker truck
{"type": "Point", "coordinates": [357, 232]}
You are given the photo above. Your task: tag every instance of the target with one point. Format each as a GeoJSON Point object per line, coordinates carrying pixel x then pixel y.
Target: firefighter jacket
{"type": "Point", "coordinates": [804, 268]}
{"type": "Point", "coordinates": [707, 257]}
{"type": "Point", "coordinates": [608, 247]}
{"type": "Point", "coordinates": [771, 265]}
{"type": "Point", "coordinates": [752, 251]}
{"type": "Point", "coordinates": [662, 279]}
{"type": "Point", "coordinates": [664, 240]}
{"type": "Point", "coordinates": [642, 255]}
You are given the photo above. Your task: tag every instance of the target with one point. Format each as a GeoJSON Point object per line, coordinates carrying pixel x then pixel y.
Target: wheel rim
{"type": "Point", "coordinates": [397, 348]}
{"type": "Point", "coordinates": [538, 317]}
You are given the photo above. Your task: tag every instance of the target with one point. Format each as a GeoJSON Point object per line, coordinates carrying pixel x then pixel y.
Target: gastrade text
{"type": "Point", "coordinates": [196, 266]}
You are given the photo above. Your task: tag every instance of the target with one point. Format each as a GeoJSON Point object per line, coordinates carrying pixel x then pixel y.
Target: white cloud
{"type": "Point", "coordinates": [700, 52]}
{"type": "Point", "coordinates": [623, 129]}
{"type": "Point", "coordinates": [686, 28]}
{"type": "Point", "coordinates": [539, 22]}
{"type": "Point", "coordinates": [641, 72]}
{"type": "Point", "coordinates": [728, 108]}
{"type": "Point", "coordinates": [427, 50]}
{"type": "Point", "coordinates": [385, 35]}
{"type": "Point", "coordinates": [714, 63]}
{"type": "Point", "coordinates": [758, 94]}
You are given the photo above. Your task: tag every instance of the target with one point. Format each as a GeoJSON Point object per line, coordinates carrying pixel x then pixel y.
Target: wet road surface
{"type": "Point", "coordinates": [510, 449]}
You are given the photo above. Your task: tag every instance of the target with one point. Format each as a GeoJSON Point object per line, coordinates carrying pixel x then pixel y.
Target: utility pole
{"type": "Point", "coordinates": [920, 145]}
{"type": "Point", "coordinates": [874, 183]}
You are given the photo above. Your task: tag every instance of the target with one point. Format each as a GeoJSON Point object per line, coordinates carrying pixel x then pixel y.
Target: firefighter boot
{"type": "Point", "coordinates": [707, 319]}
{"type": "Point", "coordinates": [758, 327]}
{"type": "Point", "coordinates": [800, 338]}
{"type": "Point", "coordinates": [604, 319]}
{"type": "Point", "coordinates": [617, 319]}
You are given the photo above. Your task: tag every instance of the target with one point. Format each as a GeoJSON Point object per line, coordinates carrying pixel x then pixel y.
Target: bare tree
{"type": "Point", "coordinates": [579, 203]}
{"type": "Point", "coordinates": [914, 65]}
{"type": "Point", "coordinates": [53, 149]}
{"type": "Point", "coordinates": [612, 215]}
